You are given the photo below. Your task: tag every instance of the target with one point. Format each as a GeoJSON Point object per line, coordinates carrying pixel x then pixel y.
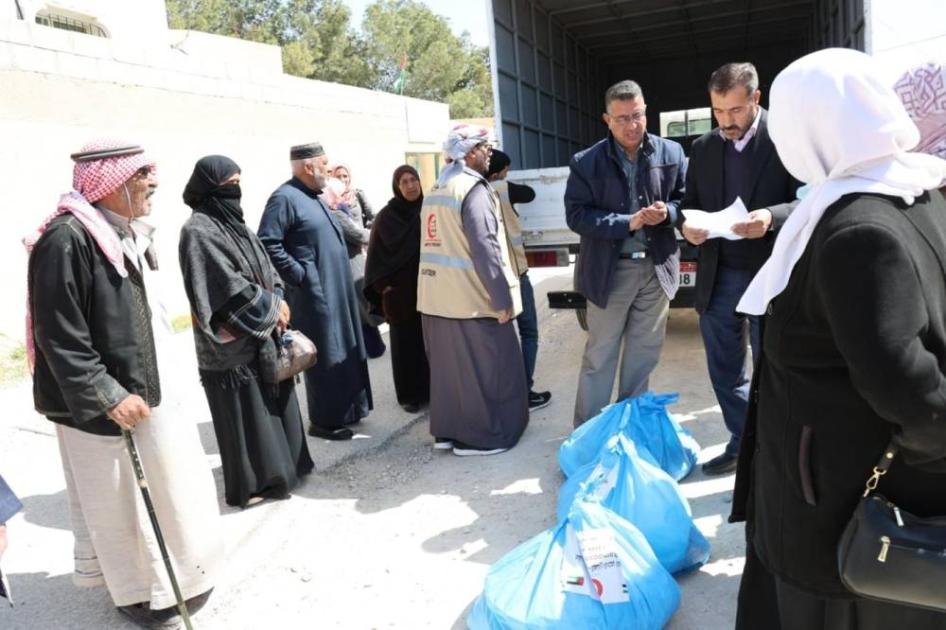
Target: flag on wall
{"type": "Point", "coordinates": [402, 76]}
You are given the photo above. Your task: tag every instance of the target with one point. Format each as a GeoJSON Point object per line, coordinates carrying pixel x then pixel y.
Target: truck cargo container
{"type": "Point", "coordinates": [552, 61]}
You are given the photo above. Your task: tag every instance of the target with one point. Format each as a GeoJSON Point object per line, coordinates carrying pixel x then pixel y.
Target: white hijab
{"type": "Point", "coordinates": [838, 127]}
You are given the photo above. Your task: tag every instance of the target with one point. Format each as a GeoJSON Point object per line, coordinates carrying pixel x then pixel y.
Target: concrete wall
{"type": "Point", "coordinates": [206, 95]}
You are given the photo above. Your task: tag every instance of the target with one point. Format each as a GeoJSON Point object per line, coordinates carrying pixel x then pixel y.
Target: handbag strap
{"type": "Point", "coordinates": [881, 468]}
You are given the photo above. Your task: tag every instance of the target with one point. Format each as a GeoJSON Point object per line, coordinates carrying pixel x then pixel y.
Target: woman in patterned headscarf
{"type": "Point", "coordinates": [922, 89]}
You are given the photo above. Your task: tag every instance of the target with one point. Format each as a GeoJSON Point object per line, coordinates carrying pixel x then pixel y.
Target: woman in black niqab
{"type": "Point", "coordinates": [237, 310]}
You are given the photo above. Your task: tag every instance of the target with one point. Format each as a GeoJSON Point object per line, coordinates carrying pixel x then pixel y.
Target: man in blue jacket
{"type": "Point", "coordinates": [622, 197]}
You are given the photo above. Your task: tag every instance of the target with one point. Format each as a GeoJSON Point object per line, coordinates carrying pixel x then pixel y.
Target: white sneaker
{"type": "Point", "coordinates": [443, 444]}
{"type": "Point", "coordinates": [463, 450]}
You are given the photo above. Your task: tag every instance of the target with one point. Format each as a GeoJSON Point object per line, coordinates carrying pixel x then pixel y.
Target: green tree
{"type": "Point", "coordinates": [441, 66]}
{"type": "Point", "coordinates": [316, 36]}
{"type": "Point", "coordinates": [318, 42]}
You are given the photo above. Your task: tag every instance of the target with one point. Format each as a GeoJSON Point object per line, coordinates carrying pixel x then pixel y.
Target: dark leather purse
{"type": "Point", "coordinates": [890, 555]}
{"type": "Point", "coordinates": [296, 353]}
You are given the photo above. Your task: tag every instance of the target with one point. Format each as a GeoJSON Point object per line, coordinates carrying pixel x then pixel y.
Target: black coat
{"type": "Point", "coordinates": [92, 328]}
{"type": "Point", "coordinates": [772, 187]}
{"type": "Point", "coordinates": [854, 353]}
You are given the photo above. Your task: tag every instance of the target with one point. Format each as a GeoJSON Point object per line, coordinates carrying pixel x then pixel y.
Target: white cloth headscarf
{"type": "Point", "coordinates": [840, 128]}
{"type": "Point", "coordinates": [461, 140]}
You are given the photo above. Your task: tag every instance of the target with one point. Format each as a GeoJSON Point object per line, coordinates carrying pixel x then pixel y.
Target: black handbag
{"type": "Point", "coordinates": [296, 353]}
{"type": "Point", "coordinates": [890, 555]}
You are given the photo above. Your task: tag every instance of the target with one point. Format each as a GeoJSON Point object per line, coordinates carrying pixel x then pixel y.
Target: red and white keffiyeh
{"type": "Point", "coordinates": [91, 181]}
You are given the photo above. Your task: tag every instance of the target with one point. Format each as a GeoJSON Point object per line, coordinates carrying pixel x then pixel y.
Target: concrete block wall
{"type": "Point", "coordinates": [73, 87]}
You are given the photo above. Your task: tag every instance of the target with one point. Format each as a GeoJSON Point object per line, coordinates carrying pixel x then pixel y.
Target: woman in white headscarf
{"type": "Point", "coordinates": [854, 346]}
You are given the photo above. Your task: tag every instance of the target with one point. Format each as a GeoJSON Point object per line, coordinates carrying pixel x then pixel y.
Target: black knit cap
{"type": "Point", "coordinates": [305, 151]}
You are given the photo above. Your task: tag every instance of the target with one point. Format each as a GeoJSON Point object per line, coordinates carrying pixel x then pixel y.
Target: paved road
{"type": "Point", "coordinates": [387, 534]}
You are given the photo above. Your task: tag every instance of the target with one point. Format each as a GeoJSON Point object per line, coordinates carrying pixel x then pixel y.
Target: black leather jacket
{"type": "Point", "coordinates": [92, 330]}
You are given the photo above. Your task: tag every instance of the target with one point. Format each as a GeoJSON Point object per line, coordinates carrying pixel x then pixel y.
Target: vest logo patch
{"type": "Point", "coordinates": [432, 228]}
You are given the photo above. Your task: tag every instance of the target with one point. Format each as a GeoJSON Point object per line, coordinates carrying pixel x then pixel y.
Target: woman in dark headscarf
{"type": "Point", "coordinates": [391, 286]}
{"type": "Point", "coordinates": [238, 315]}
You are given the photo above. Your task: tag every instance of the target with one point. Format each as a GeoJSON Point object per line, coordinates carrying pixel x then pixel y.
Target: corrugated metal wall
{"type": "Point", "coordinates": [549, 87]}
{"type": "Point", "coordinates": [838, 24]}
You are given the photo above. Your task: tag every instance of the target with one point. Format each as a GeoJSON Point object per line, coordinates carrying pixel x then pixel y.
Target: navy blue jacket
{"type": "Point", "coordinates": [9, 504]}
{"type": "Point", "coordinates": [597, 208]}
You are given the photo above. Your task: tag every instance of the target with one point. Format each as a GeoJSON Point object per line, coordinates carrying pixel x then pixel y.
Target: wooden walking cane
{"type": "Point", "coordinates": [146, 495]}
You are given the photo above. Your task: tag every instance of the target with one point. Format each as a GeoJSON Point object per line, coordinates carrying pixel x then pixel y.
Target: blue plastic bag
{"type": "Point", "coordinates": [651, 427]}
{"type": "Point", "coordinates": [583, 445]}
{"type": "Point", "coordinates": [594, 571]}
{"type": "Point", "coordinates": [644, 419]}
{"type": "Point", "coordinates": [637, 490]}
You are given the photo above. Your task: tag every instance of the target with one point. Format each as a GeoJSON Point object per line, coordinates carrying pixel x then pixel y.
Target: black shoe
{"type": "Point", "coordinates": [411, 407]}
{"type": "Point", "coordinates": [141, 614]}
{"type": "Point", "coordinates": [336, 435]}
{"type": "Point", "coordinates": [720, 465]}
{"type": "Point", "coordinates": [537, 400]}
{"type": "Point", "coordinates": [197, 602]}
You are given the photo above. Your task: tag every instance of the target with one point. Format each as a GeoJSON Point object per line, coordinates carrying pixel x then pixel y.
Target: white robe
{"type": "Point", "coordinates": [114, 541]}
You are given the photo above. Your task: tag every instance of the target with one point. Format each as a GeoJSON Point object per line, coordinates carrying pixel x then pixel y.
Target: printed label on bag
{"type": "Point", "coordinates": [591, 566]}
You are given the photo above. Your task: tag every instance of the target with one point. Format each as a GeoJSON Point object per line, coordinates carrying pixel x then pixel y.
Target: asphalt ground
{"type": "Point", "coordinates": [386, 533]}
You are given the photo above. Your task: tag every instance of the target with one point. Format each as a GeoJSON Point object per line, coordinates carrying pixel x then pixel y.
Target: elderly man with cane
{"type": "Point", "coordinates": [95, 355]}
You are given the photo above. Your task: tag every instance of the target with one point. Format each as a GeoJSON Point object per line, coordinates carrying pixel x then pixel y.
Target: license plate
{"type": "Point", "coordinates": [687, 274]}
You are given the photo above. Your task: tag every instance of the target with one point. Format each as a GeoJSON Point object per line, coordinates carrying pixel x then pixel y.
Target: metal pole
{"type": "Point", "coordinates": [146, 495]}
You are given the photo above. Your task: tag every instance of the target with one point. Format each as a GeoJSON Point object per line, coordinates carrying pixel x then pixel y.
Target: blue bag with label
{"type": "Point", "coordinates": [637, 490]}
{"type": "Point", "coordinates": [593, 571]}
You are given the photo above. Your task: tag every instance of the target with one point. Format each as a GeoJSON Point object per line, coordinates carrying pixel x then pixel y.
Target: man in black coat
{"type": "Point", "coordinates": [737, 159]}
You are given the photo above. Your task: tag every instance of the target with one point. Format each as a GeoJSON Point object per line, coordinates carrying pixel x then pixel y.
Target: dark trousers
{"type": "Point", "coordinates": [409, 362]}
{"type": "Point", "coordinates": [724, 339]}
{"type": "Point", "coordinates": [528, 324]}
{"type": "Point", "coordinates": [768, 603]}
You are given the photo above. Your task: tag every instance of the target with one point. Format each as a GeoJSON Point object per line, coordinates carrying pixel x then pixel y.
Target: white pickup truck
{"type": "Point", "coordinates": [549, 242]}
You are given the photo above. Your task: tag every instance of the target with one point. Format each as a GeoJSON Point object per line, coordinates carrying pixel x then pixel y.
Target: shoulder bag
{"type": "Point", "coordinates": [890, 555]}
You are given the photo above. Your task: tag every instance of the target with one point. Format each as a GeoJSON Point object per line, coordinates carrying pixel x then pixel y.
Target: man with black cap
{"type": "Point", "coordinates": [511, 193]}
{"type": "Point", "coordinates": [308, 249]}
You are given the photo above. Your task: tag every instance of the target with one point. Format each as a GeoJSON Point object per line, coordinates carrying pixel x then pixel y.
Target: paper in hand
{"type": "Point", "coordinates": [719, 224]}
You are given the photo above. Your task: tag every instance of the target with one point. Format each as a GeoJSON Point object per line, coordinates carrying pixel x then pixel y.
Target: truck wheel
{"type": "Point", "coordinates": [582, 315]}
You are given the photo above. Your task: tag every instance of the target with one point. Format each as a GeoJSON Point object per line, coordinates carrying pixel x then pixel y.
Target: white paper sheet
{"type": "Point", "coordinates": [719, 224]}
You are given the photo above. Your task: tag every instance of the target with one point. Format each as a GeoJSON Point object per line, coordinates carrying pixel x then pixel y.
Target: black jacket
{"type": "Point", "coordinates": [854, 353]}
{"type": "Point", "coordinates": [772, 187]}
{"type": "Point", "coordinates": [92, 329]}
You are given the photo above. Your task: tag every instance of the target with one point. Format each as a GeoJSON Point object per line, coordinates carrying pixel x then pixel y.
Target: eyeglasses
{"type": "Point", "coordinates": [144, 172]}
{"type": "Point", "coordinates": [623, 121]}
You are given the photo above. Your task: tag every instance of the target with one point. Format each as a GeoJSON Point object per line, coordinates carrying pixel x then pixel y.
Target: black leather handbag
{"type": "Point", "coordinates": [890, 555]}
{"type": "Point", "coordinates": [297, 353]}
